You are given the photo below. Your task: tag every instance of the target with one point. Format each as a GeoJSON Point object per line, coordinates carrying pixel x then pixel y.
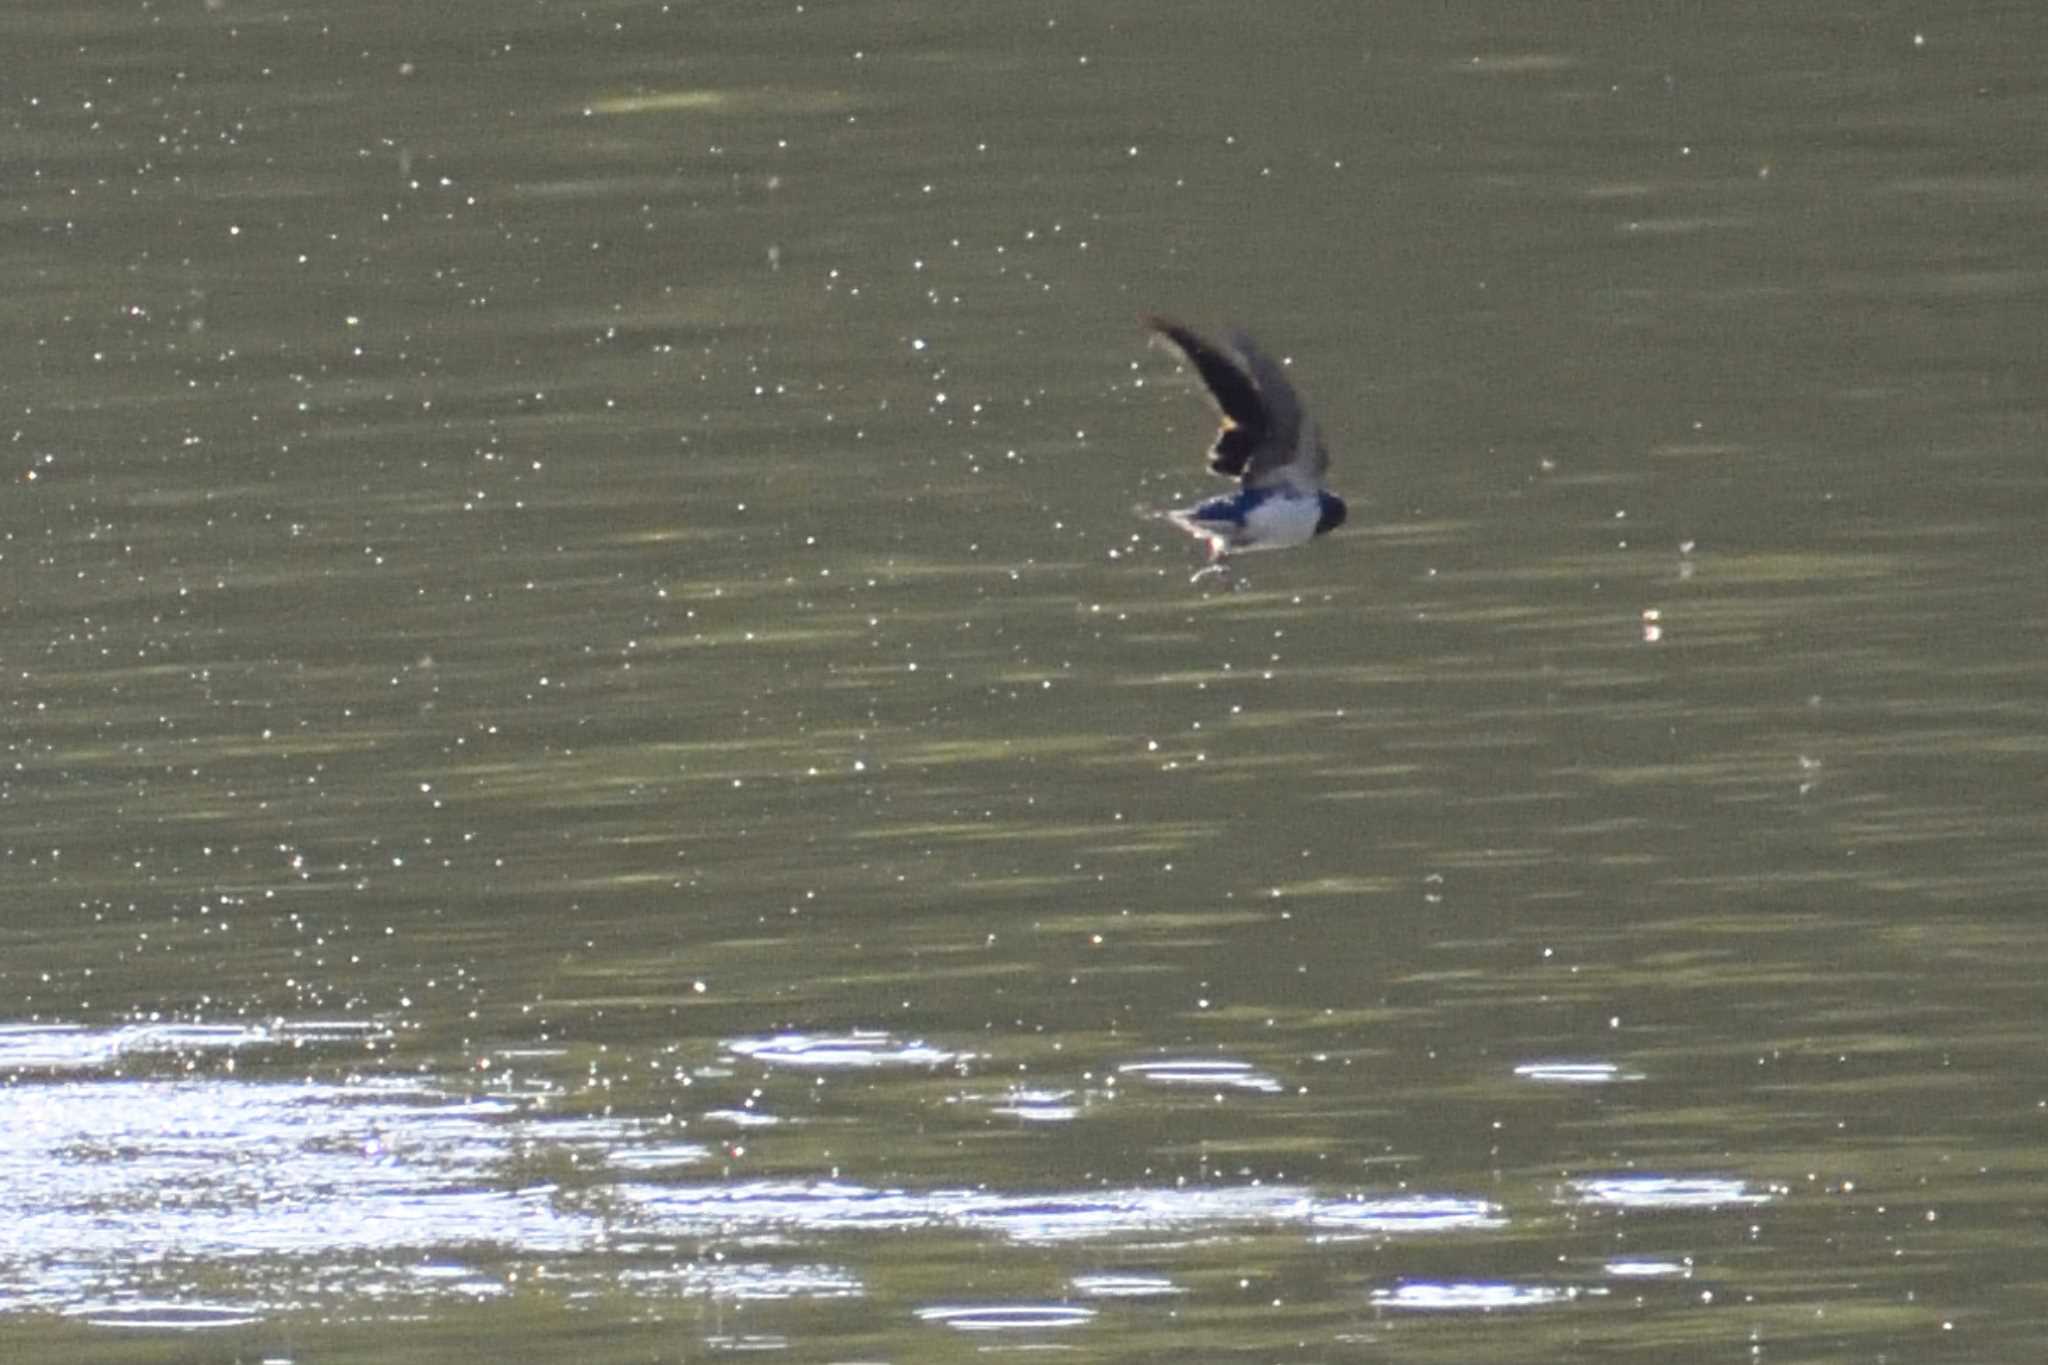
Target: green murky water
{"type": "Point", "coordinates": [598, 759]}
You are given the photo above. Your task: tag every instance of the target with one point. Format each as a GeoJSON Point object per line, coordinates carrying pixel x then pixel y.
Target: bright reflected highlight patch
{"type": "Point", "coordinates": [1477, 1297]}
{"type": "Point", "coordinates": [658, 1158]}
{"type": "Point", "coordinates": [72, 1047]}
{"type": "Point", "coordinates": [1666, 1192]}
{"type": "Point", "coordinates": [1183, 1212]}
{"type": "Point", "coordinates": [154, 1316]}
{"type": "Point", "coordinates": [748, 1281]}
{"type": "Point", "coordinates": [1125, 1286]}
{"type": "Point", "coordinates": [1575, 1073]}
{"type": "Point", "coordinates": [1037, 1106]}
{"type": "Point", "coordinates": [1414, 1213]}
{"type": "Point", "coordinates": [1207, 1074]}
{"type": "Point", "coordinates": [1649, 1270]}
{"type": "Point", "coordinates": [860, 1050]}
{"type": "Point", "coordinates": [1009, 1317]}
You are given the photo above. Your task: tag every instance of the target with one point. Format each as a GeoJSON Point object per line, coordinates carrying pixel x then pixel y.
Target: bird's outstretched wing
{"type": "Point", "coordinates": [1290, 451]}
{"type": "Point", "coordinates": [1239, 396]}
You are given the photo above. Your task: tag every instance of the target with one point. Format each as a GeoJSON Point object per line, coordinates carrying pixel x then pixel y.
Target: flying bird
{"type": "Point", "coordinates": [1268, 444]}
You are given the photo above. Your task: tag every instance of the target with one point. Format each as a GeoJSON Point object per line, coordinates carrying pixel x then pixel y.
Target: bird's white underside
{"type": "Point", "coordinates": [1278, 523]}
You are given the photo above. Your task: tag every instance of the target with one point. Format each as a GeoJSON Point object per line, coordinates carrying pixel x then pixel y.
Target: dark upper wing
{"type": "Point", "coordinates": [1281, 455]}
{"type": "Point", "coordinates": [1247, 421]}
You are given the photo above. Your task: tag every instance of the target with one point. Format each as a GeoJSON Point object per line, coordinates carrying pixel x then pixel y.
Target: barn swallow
{"type": "Point", "coordinates": [1267, 443]}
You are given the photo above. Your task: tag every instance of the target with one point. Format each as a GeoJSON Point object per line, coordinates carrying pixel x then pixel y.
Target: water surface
{"type": "Point", "coordinates": [601, 759]}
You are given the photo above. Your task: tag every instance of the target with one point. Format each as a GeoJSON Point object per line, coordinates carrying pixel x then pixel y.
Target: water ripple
{"type": "Point", "coordinates": [1007, 1317]}
{"type": "Point", "coordinates": [1125, 1286]}
{"type": "Point", "coordinates": [1408, 1213]}
{"type": "Point", "coordinates": [1667, 1192]}
{"type": "Point", "coordinates": [26, 1048]}
{"type": "Point", "coordinates": [1052, 1217]}
{"type": "Point", "coordinates": [159, 1316]}
{"type": "Point", "coordinates": [1575, 1073]}
{"type": "Point", "coordinates": [1476, 1296]}
{"type": "Point", "coordinates": [859, 1050]}
{"type": "Point", "coordinates": [1219, 1074]}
